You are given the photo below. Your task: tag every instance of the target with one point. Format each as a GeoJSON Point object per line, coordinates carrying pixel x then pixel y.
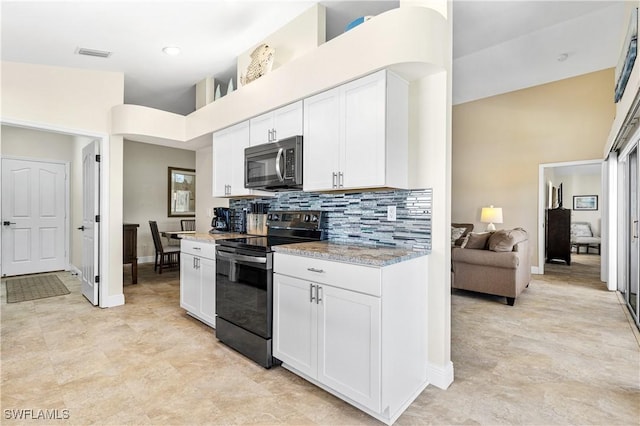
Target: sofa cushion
{"type": "Point", "coordinates": [468, 227]}
{"type": "Point", "coordinates": [477, 241]}
{"type": "Point", "coordinates": [504, 240]}
{"type": "Point", "coordinates": [456, 234]}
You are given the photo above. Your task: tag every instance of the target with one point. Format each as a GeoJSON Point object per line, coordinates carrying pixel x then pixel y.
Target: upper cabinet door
{"type": "Point", "coordinates": [221, 163]}
{"type": "Point", "coordinates": [362, 157]}
{"type": "Point", "coordinates": [260, 129]}
{"type": "Point", "coordinates": [356, 135]}
{"type": "Point", "coordinates": [321, 141]}
{"type": "Point", "coordinates": [287, 121]}
{"type": "Point", "coordinates": [228, 160]}
{"type": "Point", "coordinates": [276, 125]}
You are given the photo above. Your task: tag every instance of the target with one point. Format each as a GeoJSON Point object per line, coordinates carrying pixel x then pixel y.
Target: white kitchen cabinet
{"type": "Point", "coordinates": [198, 280]}
{"type": "Point", "coordinates": [228, 161]}
{"type": "Point", "coordinates": [357, 331]}
{"type": "Point", "coordinates": [360, 132]}
{"type": "Point", "coordinates": [278, 124]}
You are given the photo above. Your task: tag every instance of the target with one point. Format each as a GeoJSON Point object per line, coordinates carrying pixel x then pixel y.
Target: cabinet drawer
{"type": "Point", "coordinates": [198, 248]}
{"type": "Point", "coordinates": [363, 279]}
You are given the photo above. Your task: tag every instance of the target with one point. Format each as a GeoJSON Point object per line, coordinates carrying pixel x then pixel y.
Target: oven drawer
{"type": "Point", "coordinates": [363, 279]}
{"type": "Point", "coordinates": [198, 248]}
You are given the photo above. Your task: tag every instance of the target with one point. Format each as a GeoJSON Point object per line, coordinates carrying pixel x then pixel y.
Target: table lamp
{"type": "Point", "coordinates": [491, 215]}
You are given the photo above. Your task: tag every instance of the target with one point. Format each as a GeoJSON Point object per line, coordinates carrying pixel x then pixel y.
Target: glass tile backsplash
{"type": "Point", "coordinates": [360, 217]}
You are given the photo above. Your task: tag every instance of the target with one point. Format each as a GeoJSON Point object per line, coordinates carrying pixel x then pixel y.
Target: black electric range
{"type": "Point", "coordinates": [244, 281]}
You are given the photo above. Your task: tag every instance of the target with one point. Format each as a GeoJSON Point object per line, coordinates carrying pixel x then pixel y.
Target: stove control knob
{"type": "Point", "coordinates": [307, 218]}
{"type": "Point", "coordinates": [269, 216]}
{"type": "Point", "coordinates": [275, 217]}
{"type": "Point", "coordinates": [314, 218]}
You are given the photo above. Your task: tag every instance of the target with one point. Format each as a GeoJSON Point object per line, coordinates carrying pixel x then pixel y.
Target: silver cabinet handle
{"type": "Point", "coordinates": [340, 180]}
{"type": "Point", "coordinates": [275, 135]}
{"type": "Point", "coordinates": [197, 248]}
{"type": "Point", "coordinates": [311, 296]}
{"type": "Point", "coordinates": [318, 295]}
{"type": "Point", "coordinates": [334, 180]}
{"type": "Point", "coordinates": [635, 229]}
{"type": "Point", "coordinates": [320, 271]}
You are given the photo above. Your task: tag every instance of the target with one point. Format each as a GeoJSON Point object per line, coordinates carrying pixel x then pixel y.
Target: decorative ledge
{"type": "Point", "coordinates": [411, 41]}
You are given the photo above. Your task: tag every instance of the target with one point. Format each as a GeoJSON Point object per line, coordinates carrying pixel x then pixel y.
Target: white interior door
{"type": "Point", "coordinates": [33, 217]}
{"type": "Point", "coordinates": [90, 222]}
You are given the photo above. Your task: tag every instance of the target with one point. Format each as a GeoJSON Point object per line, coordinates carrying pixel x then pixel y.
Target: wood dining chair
{"type": "Point", "coordinates": [166, 257]}
{"type": "Point", "coordinates": [188, 224]}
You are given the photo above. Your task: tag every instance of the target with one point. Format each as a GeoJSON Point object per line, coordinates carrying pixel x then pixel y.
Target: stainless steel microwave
{"type": "Point", "coordinates": [274, 166]}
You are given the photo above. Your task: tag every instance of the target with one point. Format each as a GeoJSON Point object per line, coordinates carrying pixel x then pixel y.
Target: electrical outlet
{"type": "Point", "coordinates": [391, 213]}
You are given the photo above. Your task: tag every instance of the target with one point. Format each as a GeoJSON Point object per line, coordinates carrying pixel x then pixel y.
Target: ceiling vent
{"type": "Point", "coordinates": [93, 52]}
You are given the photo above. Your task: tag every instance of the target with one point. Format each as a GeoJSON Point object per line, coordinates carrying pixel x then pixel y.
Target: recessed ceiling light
{"type": "Point", "coordinates": [171, 50]}
{"type": "Point", "coordinates": [562, 57]}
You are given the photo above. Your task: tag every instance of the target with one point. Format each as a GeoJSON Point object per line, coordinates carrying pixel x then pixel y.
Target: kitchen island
{"type": "Point", "coordinates": [353, 320]}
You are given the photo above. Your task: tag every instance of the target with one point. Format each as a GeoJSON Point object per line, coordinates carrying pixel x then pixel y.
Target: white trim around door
{"type": "Point", "coordinates": [542, 193]}
{"type": "Point", "coordinates": [106, 300]}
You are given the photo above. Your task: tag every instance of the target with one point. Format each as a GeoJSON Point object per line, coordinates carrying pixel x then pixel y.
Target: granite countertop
{"type": "Point", "coordinates": [350, 253]}
{"type": "Point", "coordinates": [211, 238]}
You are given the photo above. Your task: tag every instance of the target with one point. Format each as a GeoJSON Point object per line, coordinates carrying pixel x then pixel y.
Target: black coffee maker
{"type": "Point", "coordinates": [220, 221]}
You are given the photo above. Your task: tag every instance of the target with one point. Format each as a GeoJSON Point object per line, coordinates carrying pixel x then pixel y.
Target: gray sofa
{"type": "Point", "coordinates": [495, 263]}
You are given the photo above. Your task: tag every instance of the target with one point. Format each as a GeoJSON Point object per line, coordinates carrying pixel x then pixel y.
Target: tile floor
{"type": "Point", "coordinates": [564, 354]}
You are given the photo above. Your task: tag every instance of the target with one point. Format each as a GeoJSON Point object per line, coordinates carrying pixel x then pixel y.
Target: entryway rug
{"type": "Point", "coordinates": [34, 287]}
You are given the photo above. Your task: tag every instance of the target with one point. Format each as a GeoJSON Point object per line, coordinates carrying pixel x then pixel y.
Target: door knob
{"type": "Point", "coordinates": [7, 223]}
{"type": "Point", "coordinates": [81, 228]}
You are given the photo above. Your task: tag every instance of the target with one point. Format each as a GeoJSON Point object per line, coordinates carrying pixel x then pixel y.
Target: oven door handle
{"type": "Point", "coordinates": [240, 258]}
{"type": "Point", "coordinates": [278, 170]}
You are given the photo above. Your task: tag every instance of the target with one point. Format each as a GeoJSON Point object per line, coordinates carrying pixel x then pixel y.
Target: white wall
{"type": "Point", "coordinates": [580, 184]}
{"type": "Point", "coordinates": [145, 179]}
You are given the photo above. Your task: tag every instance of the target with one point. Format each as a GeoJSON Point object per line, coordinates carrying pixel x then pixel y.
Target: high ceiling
{"type": "Point", "coordinates": [499, 46]}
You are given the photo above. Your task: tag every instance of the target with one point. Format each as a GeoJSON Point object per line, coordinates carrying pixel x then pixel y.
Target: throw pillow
{"type": "Point", "coordinates": [504, 240]}
{"type": "Point", "coordinates": [477, 241]}
{"type": "Point", "coordinates": [455, 234]}
{"type": "Point", "coordinates": [580, 229]}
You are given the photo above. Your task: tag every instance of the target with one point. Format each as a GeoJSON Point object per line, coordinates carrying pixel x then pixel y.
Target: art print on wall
{"type": "Point", "coordinates": [181, 198]}
{"type": "Point", "coordinates": [585, 202]}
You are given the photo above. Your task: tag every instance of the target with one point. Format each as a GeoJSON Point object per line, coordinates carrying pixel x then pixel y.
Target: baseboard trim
{"type": "Point", "coordinates": [439, 376]}
{"type": "Point", "coordinates": [75, 271]}
{"type": "Point", "coordinates": [535, 270]}
{"type": "Point", "coordinates": [112, 301]}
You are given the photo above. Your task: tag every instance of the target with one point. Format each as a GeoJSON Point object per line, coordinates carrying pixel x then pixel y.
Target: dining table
{"type": "Point", "coordinates": [176, 234]}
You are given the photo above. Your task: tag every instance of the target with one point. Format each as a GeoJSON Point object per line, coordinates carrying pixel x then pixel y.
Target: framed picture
{"type": "Point", "coordinates": [181, 196]}
{"type": "Point", "coordinates": [585, 202]}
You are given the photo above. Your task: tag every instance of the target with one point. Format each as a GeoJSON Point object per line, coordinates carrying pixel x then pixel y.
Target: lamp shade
{"type": "Point", "coordinates": [491, 215]}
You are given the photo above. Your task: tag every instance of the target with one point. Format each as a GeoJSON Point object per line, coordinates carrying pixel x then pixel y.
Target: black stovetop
{"type": "Point", "coordinates": [284, 227]}
{"type": "Point", "coordinates": [259, 243]}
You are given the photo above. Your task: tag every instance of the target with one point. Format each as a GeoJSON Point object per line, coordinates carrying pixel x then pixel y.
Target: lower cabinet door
{"type": "Point", "coordinates": [349, 348]}
{"type": "Point", "coordinates": [189, 283]}
{"type": "Point", "coordinates": [208, 290]}
{"type": "Point", "coordinates": [295, 323]}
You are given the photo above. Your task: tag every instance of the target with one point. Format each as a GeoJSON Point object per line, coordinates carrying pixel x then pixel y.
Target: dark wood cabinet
{"type": "Point", "coordinates": [558, 229]}
{"type": "Point", "coordinates": [130, 248]}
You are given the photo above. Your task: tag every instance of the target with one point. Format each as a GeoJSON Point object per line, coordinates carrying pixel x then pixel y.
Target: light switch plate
{"type": "Point", "coordinates": [391, 213]}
